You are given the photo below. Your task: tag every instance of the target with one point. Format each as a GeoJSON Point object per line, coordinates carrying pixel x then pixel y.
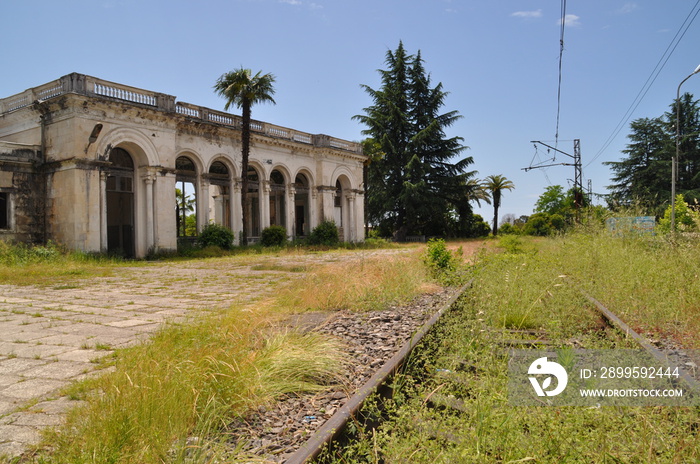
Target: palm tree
{"type": "Point", "coordinates": [476, 191]}
{"type": "Point", "coordinates": [496, 185]}
{"type": "Point", "coordinates": [242, 89]}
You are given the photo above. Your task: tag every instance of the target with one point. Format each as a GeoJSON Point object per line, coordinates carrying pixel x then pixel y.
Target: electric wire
{"type": "Point", "coordinates": [561, 59]}
{"type": "Point", "coordinates": [650, 80]}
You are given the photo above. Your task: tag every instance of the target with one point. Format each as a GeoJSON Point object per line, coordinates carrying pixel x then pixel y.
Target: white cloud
{"type": "Point", "coordinates": [528, 14]}
{"type": "Point", "coordinates": [628, 7]}
{"type": "Point", "coordinates": [291, 2]}
{"type": "Point", "coordinates": [571, 20]}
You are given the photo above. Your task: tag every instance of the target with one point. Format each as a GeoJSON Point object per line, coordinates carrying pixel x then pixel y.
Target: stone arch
{"type": "Point", "coordinates": [255, 199]}
{"type": "Point", "coordinates": [279, 202]}
{"type": "Point", "coordinates": [120, 208]}
{"type": "Point", "coordinates": [347, 176]}
{"type": "Point", "coordinates": [220, 176]}
{"type": "Point", "coordinates": [304, 202]}
{"type": "Point", "coordinates": [188, 202]}
{"type": "Point", "coordinates": [136, 143]}
{"type": "Point", "coordinates": [136, 233]}
{"type": "Point", "coordinates": [342, 208]}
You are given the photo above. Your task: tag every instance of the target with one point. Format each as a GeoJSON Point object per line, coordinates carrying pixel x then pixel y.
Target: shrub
{"type": "Point", "coordinates": [437, 256]}
{"type": "Point", "coordinates": [326, 233]}
{"type": "Point", "coordinates": [685, 217]}
{"type": "Point", "coordinates": [538, 224]}
{"type": "Point", "coordinates": [273, 236]}
{"type": "Point", "coordinates": [216, 235]}
{"type": "Point", "coordinates": [507, 228]}
{"type": "Point", "coordinates": [443, 264]}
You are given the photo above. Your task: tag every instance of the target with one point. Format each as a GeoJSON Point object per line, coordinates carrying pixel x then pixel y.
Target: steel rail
{"type": "Point", "coordinates": [619, 324]}
{"type": "Point", "coordinates": [335, 425]}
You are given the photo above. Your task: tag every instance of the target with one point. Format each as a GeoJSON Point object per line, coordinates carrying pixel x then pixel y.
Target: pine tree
{"type": "Point", "coordinates": [643, 178]}
{"type": "Point", "coordinates": [412, 185]}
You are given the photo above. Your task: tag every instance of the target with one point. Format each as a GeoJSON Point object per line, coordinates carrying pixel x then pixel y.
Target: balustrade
{"type": "Point", "coordinates": [87, 85]}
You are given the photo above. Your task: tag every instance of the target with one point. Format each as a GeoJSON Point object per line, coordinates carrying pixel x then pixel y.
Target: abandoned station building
{"type": "Point", "coordinates": [95, 166]}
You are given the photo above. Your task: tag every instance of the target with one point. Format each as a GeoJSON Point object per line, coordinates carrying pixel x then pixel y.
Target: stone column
{"type": "Point", "coordinates": [290, 216]}
{"type": "Point", "coordinates": [203, 205]}
{"type": "Point", "coordinates": [264, 204]}
{"type": "Point", "coordinates": [103, 211]}
{"type": "Point", "coordinates": [236, 214]}
{"type": "Point", "coordinates": [150, 216]}
{"type": "Point", "coordinates": [351, 226]}
{"type": "Point", "coordinates": [313, 208]}
{"type": "Point", "coordinates": [360, 215]}
{"type": "Point", "coordinates": [327, 203]}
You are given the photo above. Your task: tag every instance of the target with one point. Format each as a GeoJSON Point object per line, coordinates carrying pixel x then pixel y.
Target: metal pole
{"type": "Point", "coordinates": [674, 160]}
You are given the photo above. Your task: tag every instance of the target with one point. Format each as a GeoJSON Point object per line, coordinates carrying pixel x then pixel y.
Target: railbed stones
{"type": "Point", "coordinates": [371, 338]}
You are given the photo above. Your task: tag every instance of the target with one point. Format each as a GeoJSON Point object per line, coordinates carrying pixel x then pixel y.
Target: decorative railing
{"type": "Point", "coordinates": [122, 93]}
{"type": "Point", "coordinates": [87, 85]}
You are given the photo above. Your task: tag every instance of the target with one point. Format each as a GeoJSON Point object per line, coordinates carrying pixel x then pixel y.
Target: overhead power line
{"type": "Point", "coordinates": [561, 59]}
{"type": "Point", "coordinates": [651, 79]}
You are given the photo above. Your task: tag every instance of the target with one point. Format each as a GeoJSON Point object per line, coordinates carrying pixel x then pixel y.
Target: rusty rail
{"type": "Point", "coordinates": [335, 425]}
{"type": "Point", "coordinates": [620, 325]}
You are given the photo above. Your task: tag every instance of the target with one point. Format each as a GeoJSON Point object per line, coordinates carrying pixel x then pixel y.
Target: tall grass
{"type": "Point", "coordinates": [41, 264]}
{"type": "Point", "coordinates": [363, 284]}
{"type": "Point", "coordinates": [189, 381]}
{"type": "Point", "coordinates": [535, 285]}
{"type": "Point", "coordinates": [650, 282]}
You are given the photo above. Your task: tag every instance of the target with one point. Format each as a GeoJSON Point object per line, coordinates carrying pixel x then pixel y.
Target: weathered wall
{"type": "Point", "coordinates": [22, 181]}
{"type": "Point", "coordinates": [62, 197]}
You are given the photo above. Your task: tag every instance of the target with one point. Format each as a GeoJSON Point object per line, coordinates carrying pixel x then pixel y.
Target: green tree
{"type": "Point", "coordinates": [496, 184]}
{"type": "Point", "coordinates": [643, 177]}
{"type": "Point", "coordinates": [243, 89]}
{"type": "Point", "coordinates": [689, 150]}
{"type": "Point", "coordinates": [412, 185]}
{"type": "Point", "coordinates": [184, 204]}
{"type": "Point", "coordinates": [552, 201]}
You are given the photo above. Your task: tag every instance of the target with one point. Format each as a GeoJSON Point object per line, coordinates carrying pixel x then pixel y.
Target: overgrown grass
{"type": "Point", "coordinates": [650, 282]}
{"type": "Point", "coordinates": [535, 285]}
{"type": "Point", "coordinates": [51, 264]}
{"type": "Point", "coordinates": [363, 284]}
{"type": "Point", "coordinates": [186, 385]}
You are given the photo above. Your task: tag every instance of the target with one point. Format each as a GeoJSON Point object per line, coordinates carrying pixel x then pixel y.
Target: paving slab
{"type": "Point", "coordinates": [48, 334]}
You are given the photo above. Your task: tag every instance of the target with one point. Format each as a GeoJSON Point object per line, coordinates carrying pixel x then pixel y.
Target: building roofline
{"type": "Point", "coordinates": [83, 84]}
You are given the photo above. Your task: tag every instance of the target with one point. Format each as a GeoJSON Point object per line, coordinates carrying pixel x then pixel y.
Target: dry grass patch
{"type": "Point", "coordinates": [191, 380]}
{"type": "Point", "coordinates": [363, 284]}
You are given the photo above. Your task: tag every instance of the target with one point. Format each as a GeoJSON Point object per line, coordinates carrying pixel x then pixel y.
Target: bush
{"type": "Point", "coordinates": [216, 235]}
{"type": "Point", "coordinates": [685, 217]}
{"type": "Point", "coordinates": [273, 236]}
{"type": "Point", "coordinates": [538, 224]}
{"type": "Point", "coordinates": [443, 263]}
{"type": "Point", "coordinates": [508, 229]}
{"type": "Point", "coordinates": [326, 233]}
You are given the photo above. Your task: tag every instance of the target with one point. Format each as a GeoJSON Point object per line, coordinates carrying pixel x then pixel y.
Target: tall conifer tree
{"type": "Point", "coordinates": [412, 185]}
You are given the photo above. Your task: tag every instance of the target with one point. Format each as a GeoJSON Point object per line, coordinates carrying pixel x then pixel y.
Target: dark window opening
{"type": "Point", "coordinates": [4, 210]}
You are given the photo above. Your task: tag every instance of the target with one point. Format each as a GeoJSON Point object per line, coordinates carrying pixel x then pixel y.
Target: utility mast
{"type": "Point", "coordinates": [578, 172]}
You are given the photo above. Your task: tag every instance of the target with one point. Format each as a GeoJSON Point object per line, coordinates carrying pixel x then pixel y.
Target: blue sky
{"type": "Point", "coordinates": [498, 59]}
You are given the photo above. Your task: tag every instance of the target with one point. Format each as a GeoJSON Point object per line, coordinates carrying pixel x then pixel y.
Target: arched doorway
{"type": "Point", "coordinates": [277, 199]}
{"type": "Point", "coordinates": [186, 196]}
{"type": "Point", "coordinates": [220, 181]}
{"type": "Point", "coordinates": [301, 205]}
{"type": "Point", "coordinates": [253, 204]}
{"type": "Point", "coordinates": [120, 203]}
{"type": "Point", "coordinates": [338, 204]}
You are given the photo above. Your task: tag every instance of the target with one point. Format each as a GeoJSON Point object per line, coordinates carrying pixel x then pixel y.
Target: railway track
{"type": "Point", "coordinates": [350, 410]}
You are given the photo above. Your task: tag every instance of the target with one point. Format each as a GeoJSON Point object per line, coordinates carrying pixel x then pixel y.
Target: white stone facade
{"type": "Point", "coordinates": [110, 158]}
